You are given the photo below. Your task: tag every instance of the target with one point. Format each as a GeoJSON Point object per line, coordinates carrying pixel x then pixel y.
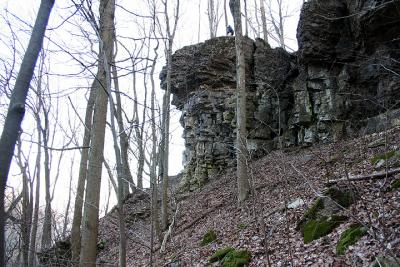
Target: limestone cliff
{"type": "Point", "coordinates": [344, 80]}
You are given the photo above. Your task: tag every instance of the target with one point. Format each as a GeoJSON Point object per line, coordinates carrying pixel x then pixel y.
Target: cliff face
{"type": "Point", "coordinates": [343, 81]}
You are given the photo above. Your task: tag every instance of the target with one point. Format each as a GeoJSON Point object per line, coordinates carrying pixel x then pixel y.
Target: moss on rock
{"type": "Point", "coordinates": [314, 229]}
{"type": "Point", "coordinates": [209, 237]}
{"type": "Point", "coordinates": [219, 254]}
{"type": "Point", "coordinates": [350, 237]}
{"type": "Point", "coordinates": [236, 258]}
{"type": "Point", "coordinates": [311, 213]}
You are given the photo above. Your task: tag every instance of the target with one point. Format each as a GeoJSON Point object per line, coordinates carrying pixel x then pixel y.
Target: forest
{"type": "Point", "coordinates": [199, 133]}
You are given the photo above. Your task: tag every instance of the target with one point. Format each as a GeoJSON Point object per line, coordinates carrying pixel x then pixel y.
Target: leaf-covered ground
{"type": "Point", "coordinates": [264, 226]}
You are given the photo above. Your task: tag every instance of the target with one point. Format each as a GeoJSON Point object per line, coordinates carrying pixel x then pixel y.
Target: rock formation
{"type": "Point", "coordinates": [344, 79]}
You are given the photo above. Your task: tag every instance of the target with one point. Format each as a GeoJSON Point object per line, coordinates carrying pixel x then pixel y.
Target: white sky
{"type": "Point", "coordinates": [61, 63]}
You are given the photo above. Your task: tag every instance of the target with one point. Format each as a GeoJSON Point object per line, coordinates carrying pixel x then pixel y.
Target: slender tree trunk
{"type": "Point", "coordinates": [47, 229]}
{"type": "Point", "coordinates": [77, 217]}
{"type": "Point", "coordinates": [120, 196]}
{"type": "Point", "coordinates": [155, 222]}
{"type": "Point", "coordinates": [246, 19]}
{"type": "Point", "coordinates": [66, 214]}
{"type": "Point", "coordinates": [83, 168]}
{"type": "Point", "coordinates": [26, 221]}
{"type": "Point", "coordinates": [142, 143]}
{"type": "Point", "coordinates": [281, 29]}
{"type": "Point", "coordinates": [92, 196]}
{"type": "Point", "coordinates": [32, 250]}
{"type": "Point", "coordinates": [108, 198]}
{"type": "Point", "coordinates": [211, 18]}
{"type": "Point", "coordinates": [257, 19]}
{"type": "Point", "coordinates": [225, 15]}
{"type": "Point", "coordinates": [199, 23]}
{"type": "Point", "coordinates": [26, 211]}
{"type": "Point", "coordinates": [164, 162]}
{"type": "Point", "coordinates": [111, 177]}
{"type": "Point", "coordinates": [16, 109]}
{"type": "Point", "coordinates": [241, 150]}
{"type": "Point", "coordinates": [264, 21]}
{"type": "Point", "coordinates": [138, 132]}
{"type": "Point", "coordinates": [123, 137]}
{"type": "Point", "coordinates": [120, 170]}
{"type": "Point", "coordinates": [166, 109]}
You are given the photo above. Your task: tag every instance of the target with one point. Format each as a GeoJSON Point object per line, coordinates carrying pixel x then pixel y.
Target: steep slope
{"type": "Point", "coordinates": [265, 227]}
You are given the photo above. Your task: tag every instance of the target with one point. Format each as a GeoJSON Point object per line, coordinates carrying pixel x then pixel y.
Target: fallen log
{"type": "Point", "coordinates": [371, 176]}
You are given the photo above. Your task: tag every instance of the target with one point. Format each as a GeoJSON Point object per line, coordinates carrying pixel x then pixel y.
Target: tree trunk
{"type": "Point", "coordinates": [225, 15]}
{"type": "Point", "coordinates": [155, 222]}
{"type": "Point", "coordinates": [26, 217]}
{"type": "Point", "coordinates": [16, 109]}
{"type": "Point", "coordinates": [120, 170]}
{"type": "Point", "coordinates": [199, 23]}
{"type": "Point", "coordinates": [32, 250]}
{"type": "Point", "coordinates": [246, 19]}
{"type": "Point", "coordinates": [211, 18]}
{"type": "Point", "coordinates": [264, 21]}
{"type": "Point", "coordinates": [165, 152]}
{"type": "Point", "coordinates": [138, 132]}
{"type": "Point", "coordinates": [123, 137]}
{"type": "Point", "coordinates": [67, 208]}
{"type": "Point", "coordinates": [92, 196]}
{"type": "Point", "coordinates": [241, 150]}
{"type": "Point", "coordinates": [83, 168]}
{"type": "Point", "coordinates": [256, 29]}
{"type": "Point", "coordinates": [166, 109]}
{"type": "Point", "coordinates": [281, 29]}
{"type": "Point", "coordinates": [46, 231]}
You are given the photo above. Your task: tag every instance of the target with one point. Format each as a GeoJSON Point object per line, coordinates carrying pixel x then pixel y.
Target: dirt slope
{"type": "Point", "coordinates": [264, 227]}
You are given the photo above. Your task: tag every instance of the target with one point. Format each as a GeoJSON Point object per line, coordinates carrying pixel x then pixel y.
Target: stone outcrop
{"type": "Point", "coordinates": [343, 79]}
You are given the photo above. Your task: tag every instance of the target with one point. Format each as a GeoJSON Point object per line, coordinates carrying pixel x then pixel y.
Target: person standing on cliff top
{"type": "Point", "coordinates": [229, 31]}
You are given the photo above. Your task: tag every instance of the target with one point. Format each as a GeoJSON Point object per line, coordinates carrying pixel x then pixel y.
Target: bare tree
{"type": "Point", "coordinates": [67, 208]}
{"type": "Point", "coordinates": [26, 210]}
{"type": "Point", "coordinates": [47, 229]}
{"type": "Point", "coordinates": [101, 85]}
{"type": "Point", "coordinates": [212, 19]}
{"type": "Point", "coordinates": [118, 158]}
{"type": "Point", "coordinates": [16, 110]}
{"type": "Point", "coordinates": [155, 222]}
{"type": "Point", "coordinates": [214, 16]}
{"type": "Point", "coordinates": [242, 176]}
{"type": "Point", "coordinates": [225, 15]}
{"type": "Point", "coordinates": [278, 23]}
{"type": "Point", "coordinates": [123, 137]}
{"type": "Point", "coordinates": [170, 35]}
{"type": "Point", "coordinates": [83, 168]}
{"type": "Point", "coordinates": [246, 19]}
{"type": "Point", "coordinates": [264, 21]}
{"type": "Point", "coordinates": [35, 219]}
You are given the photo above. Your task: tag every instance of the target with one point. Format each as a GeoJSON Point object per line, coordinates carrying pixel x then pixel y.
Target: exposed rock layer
{"type": "Point", "coordinates": [345, 72]}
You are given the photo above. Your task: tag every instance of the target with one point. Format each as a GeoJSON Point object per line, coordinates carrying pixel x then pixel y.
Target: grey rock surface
{"type": "Point", "coordinates": [344, 80]}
